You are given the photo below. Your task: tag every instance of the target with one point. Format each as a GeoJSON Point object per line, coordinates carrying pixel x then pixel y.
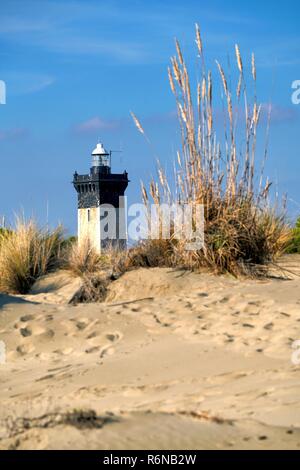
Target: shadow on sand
{"type": "Point", "coordinates": [6, 299]}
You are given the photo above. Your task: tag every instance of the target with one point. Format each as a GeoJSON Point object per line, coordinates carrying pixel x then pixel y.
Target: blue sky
{"type": "Point", "coordinates": [75, 68]}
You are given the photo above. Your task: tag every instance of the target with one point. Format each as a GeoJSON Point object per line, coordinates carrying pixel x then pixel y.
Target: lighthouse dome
{"type": "Point", "coordinates": [99, 150]}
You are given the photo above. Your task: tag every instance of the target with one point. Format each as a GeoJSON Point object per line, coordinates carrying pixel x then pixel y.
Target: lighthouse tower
{"type": "Point", "coordinates": [101, 207]}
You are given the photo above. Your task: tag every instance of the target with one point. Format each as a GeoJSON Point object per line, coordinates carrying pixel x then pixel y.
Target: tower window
{"type": "Point", "coordinates": [89, 215]}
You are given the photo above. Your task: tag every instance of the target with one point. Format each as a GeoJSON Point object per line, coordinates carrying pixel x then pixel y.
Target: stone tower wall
{"type": "Point", "coordinates": [89, 227]}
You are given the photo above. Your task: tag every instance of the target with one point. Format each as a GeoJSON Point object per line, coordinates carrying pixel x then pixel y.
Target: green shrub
{"type": "Point", "coordinates": [294, 245]}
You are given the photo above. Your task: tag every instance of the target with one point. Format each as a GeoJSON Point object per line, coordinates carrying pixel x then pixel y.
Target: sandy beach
{"type": "Point", "coordinates": [171, 359]}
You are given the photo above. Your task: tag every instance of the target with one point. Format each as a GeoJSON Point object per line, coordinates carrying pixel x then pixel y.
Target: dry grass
{"type": "Point", "coordinates": [93, 289]}
{"type": "Point", "coordinates": [82, 259]}
{"type": "Point", "coordinates": [242, 230]}
{"type": "Point", "coordinates": [294, 245]}
{"type": "Point", "coordinates": [26, 253]}
{"type": "Point", "coordinates": [96, 269]}
{"type": "Point", "coordinates": [158, 253]}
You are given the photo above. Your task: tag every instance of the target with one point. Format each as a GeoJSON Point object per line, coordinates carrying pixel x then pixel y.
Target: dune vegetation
{"type": "Point", "coordinates": [243, 232]}
{"type": "Point", "coordinates": [294, 243]}
{"type": "Point", "coordinates": [26, 253]}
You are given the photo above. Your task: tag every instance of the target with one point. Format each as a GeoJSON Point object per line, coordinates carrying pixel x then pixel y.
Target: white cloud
{"type": "Point", "coordinates": [279, 113]}
{"type": "Point", "coordinates": [21, 83]}
{"type": "Point", "coordinates": [95, 124]}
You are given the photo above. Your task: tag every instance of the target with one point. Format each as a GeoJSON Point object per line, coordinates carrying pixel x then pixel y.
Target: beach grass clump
{"type": "Point", "coordinates": [294, 244]}
{"type": "Point", "coordinates": [26, 253]}
{"type": "Point", "coordinates": [94, 288]}
{"type": "Point", "coordinates": [221, 172]}
{"type": "Point", "coordinates": [83, 259]}
{"type": "Point", "coordinates": [4, 230]}
{"type": "Point", "coordinates": [96, 269]}
{"type": "Point", "coordinates": [146, 254]}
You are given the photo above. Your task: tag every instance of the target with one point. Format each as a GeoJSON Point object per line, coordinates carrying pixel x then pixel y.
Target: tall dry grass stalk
{"type": "Point", "coordinates": [26, 253]}
{"type": "Point", "coordinates": [241, 229]}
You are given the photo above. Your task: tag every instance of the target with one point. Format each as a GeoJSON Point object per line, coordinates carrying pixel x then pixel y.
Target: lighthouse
{"type": "Point", "coordinates": [101, 203]}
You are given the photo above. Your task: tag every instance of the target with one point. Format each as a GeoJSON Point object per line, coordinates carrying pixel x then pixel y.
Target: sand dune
{"type": "Point", "coordinates": [170, 360]}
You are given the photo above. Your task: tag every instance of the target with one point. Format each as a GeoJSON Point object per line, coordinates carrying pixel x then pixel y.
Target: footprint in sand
{"type": "Point", "coordinates": [49, 318]}
{"type": "Point", "coordinates": [25, 332]}
{"type": "Point", "coordinates": [113, 338]}
{"type": "Point", "coordinates": [26, 318]}
{"type": "Point", "coordinates": [25, 349]}
{"type": "Point", "coordinates": [107, 351]}
{"type": "Point", "coordinates": [92, 350]}
{"type": "Point", "coordinates": [92, 335]}
{"type": "Point", "coordinates": [49, 334]}
{"type": "Point", "coordinates": [35, 330]}
{"type": "Point", "coordinates": [224, 300]}
{"type": "Point", "coordinates": [81, 325]}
